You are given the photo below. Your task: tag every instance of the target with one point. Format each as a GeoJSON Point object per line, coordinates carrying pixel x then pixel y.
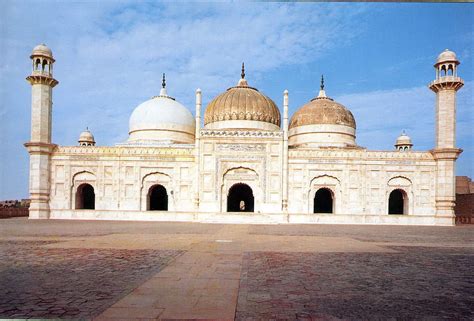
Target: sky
{"type": "Point", "coordinates": [377, 59]}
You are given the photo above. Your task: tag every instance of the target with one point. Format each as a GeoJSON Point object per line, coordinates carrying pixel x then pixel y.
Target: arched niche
{"type": "Point", "coordinates": [399, 187]}
{"type": "Point", "coordinates": [78, 179]}
{"type": "Point", "coordinates": [323, 201]}
{"type": "Point", "coordinates": [152, 179]}
{"type": "Point", "coordinates": [241, 175]}
{"type": "Point", "coordinates": [330, 183]}
{"type": "Point", "coordinates": [157, 198]}
{"type": "Point", "coordinates": [85, 197]}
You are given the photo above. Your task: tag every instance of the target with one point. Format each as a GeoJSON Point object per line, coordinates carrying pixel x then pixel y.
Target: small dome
{"type": "Point", "coordinates": [162, 118]}
{"type": "Point", "coordinates": [42, 50]}
{"type": "Point", "coordinates": [403, 139]}
{"type": "Point", "coordinates": [86, 138]}
{"type": "Point", "coordinates": [242, 106]}
{"type": "Point", "coordinates": [447, 56]}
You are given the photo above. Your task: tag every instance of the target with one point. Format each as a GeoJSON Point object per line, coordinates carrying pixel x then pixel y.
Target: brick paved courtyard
{"type": "Point", "coordinates": [151, 271]}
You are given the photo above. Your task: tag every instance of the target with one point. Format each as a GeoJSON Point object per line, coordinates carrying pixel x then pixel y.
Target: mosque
{"type": "Point", "coordinates": [243, 163]}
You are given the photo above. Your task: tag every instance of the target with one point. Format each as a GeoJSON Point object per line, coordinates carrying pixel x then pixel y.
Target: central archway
{"type": "Point", "coordinates": [85, 197]}
{"type": "Point", "coordinates": [240, 198]}
{"type": "Point", "coordinates": [157, 198]}
{"type": "Point", "coordinates": [323, 201]}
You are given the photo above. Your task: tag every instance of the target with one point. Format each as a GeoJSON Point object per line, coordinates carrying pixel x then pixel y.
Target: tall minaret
{"type": "Point", "coordinates": [39, 146]}
{"type": "Point", "coordinates": [445, 86]}
{"type": "Point", "coordinates": [284, 205]}
{"type": "Point", "coordinates": [197, 149]}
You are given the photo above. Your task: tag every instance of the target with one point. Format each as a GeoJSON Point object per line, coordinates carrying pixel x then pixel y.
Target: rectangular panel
{"type": "Point", "coordinates": [129, 190]}
{"type": "Point", "coordinates": [60, 172]}
{"type": "Point", "coordinates": [108, 172]}
{"type": "Point", "coordinates": [108, 190]}
{"type": "Point", "coordinates": [185, 173]}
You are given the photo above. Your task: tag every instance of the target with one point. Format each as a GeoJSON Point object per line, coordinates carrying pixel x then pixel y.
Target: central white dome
{"type": "Point", "coordinates": [161, 118]}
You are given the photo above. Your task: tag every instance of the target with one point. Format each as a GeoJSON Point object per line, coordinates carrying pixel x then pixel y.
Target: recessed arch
{"type": "Point", "coordinates": [398, 202]}
{"type": "Point", "coordinates": [240, 198]}
{"type": "Point", "coordinates": [157, 198]}
{"type": "Point", "coordinates": [85, 197]}
{"type": "Point", "coordinates": [151, 179]}
{"type": "Point", "coordinates": [323, 201]}
{"type": "Point", "coordinates": [232, 170]}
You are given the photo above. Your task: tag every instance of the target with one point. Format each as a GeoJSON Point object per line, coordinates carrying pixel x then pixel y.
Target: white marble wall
{"type": "Point", "coordinates": [361, 181]}
{"type": "Point", "coordinates": [122, 176]}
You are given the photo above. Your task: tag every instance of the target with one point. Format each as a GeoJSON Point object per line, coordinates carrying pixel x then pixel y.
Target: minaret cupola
{"type": "Point", "coordinates": [42, 59]}
{"type": "Point", "coordinates": [403, 143]}
{"type": "Point", "coordinates": [86, 138]}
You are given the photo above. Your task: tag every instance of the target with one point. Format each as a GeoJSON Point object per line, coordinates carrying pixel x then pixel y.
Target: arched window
{"type": "Point", "coordinates": [37, 64]}
{"type": "Point", "coordinates": [443, 70]}
{"type": "Point", "coordinates": [450, 70]}
{"type": "Point", "coordinates": [157, 198]}
{"type": "Point", "coordinates": [85, 197]}
{"type": "Point", "coordinates": [397, 202]}
{"type": "Point", "coordinates": [240, 198]}
{"type": "Point", "coordinates": [323, 201]}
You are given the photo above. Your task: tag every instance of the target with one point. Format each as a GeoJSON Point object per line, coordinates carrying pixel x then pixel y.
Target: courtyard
{"type": "Point", "coordinates": [111, 270]}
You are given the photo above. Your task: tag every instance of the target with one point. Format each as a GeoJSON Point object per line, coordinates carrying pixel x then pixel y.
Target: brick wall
{"type": "Point", "coordinates": [13, 212]}
{"type": "Point", "coordinates": [464, 208]}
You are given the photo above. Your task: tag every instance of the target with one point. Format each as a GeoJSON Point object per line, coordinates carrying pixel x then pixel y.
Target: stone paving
{"type": "Point", "coordinates": [415, 283]}
{"type": "Point", "coordinates": [112, 271]}
{"type": "Point", "coordinates": [70, 283]}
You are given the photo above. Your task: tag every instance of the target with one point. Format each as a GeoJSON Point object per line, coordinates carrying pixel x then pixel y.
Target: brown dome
{"type": "Point", "coordinates": [242, 102]}
{"type": "Point", "coordinates": [322, 110]}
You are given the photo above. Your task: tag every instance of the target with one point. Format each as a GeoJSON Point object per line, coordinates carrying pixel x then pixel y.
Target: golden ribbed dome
{"type": "Point", "coordinates": [242, 102]}
{"type": "Point", "coordinates": [322, 110]}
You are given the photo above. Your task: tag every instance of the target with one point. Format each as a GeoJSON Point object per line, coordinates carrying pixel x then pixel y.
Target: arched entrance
{"type": "Point", "coordinates": [397, 202]}
{"type": "Point", "coordinates": [323, 201]}
{"type": "Point", "coordinates": [157, 198]}
{"type": "Point", "coordinates": [85, 197]}
{"type": "Point", "coordinates": [240, 198]}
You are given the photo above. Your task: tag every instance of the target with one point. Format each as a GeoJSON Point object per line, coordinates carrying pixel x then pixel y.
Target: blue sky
{"type": "Point", "coordinates": [377, 59]}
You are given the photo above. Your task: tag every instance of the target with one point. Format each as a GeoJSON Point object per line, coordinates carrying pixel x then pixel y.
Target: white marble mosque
{"type": "Point", "coordinates": [244, 162]}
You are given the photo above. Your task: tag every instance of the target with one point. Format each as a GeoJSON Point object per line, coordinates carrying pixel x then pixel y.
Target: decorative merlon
{"type": "Point", "coordinates": [239, 133]}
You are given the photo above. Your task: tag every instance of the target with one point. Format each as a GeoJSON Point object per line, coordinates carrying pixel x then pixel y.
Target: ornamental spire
{"type": "Point", "coordinates": [242, 82]}
{"type": "Point", "coordinates": [322, 93]}
{"type": "Point", "coordinates": [163, 87]}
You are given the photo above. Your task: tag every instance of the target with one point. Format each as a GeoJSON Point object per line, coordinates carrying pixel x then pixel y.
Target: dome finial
{"type": "Point", "coordinates": [322, 93]}
{"type": "Point", "coordinates": [242, 82]}
{"type": "Point", "coordinates": [163, 92]}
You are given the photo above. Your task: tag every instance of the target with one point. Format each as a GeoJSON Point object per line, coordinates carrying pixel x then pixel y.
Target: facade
{"type": "Point", "coordinates": [246, 164]}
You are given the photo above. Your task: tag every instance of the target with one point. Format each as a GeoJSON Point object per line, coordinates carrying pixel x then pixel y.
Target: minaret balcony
{"type": "Point", "coordinates": [446, 82]}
